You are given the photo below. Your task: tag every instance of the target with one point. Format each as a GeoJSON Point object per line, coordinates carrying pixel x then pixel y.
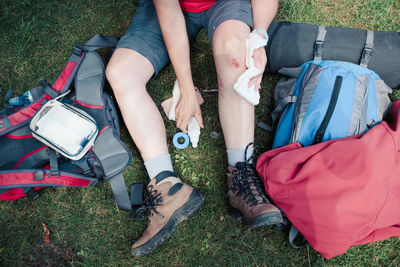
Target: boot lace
{"type": "Point", "coordinates": [151, 200]}
{"type": "Point", "coordinates": [246, 184]}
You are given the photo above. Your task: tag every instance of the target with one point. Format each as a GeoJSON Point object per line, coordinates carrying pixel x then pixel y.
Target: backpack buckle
{"type": "Point", "coordinates": [366, 56]}
{"type": "Point", "coordinates": [318, 47]}
{"type": "Point", "coordinates": [77, 50]}
{"type": "Point", "coordinates": [39, 175]}
{"type": "Point", "coordinates": [32, 194]}
{"type": "Point", "coordinates": [4, 124]}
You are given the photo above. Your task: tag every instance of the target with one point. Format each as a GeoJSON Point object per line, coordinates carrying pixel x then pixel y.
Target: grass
{"type": "Point", "coordinates": [86, 227]}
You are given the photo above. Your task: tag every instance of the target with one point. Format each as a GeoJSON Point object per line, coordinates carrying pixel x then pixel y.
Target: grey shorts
{"type": "Point", "coordinates": [144, 34]}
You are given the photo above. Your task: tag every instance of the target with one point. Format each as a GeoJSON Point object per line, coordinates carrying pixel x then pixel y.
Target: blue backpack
{"type": "Point", "coordinates": [326, 99]}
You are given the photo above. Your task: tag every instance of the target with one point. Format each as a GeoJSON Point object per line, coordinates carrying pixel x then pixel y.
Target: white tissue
{"type": "Point", "coordinates": [193, 125]}
{"type": "Point", "coordinates": [241, 86]}
{"type": "Point", "coordinates": [176, 94]}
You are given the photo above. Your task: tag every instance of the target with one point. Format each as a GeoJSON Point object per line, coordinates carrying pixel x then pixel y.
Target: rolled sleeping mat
{"type": "Point", "coordinates": [292, 44]}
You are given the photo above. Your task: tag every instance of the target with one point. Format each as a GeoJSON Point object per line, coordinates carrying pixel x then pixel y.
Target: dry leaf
{"type": "Point", "coordinates": [46, 238]}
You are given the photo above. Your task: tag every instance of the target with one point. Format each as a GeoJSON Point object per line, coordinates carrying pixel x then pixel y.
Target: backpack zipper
{"type": "Point", "coordinates": [332, 104]}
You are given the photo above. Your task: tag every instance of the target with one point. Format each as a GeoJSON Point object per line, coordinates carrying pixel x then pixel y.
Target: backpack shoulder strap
{"type": "Point", "coordinates": [114, 157]}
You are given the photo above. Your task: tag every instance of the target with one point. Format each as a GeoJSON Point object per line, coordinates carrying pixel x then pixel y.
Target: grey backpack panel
{"type": "Point", "coordinates": [112, 153]}
{"type": "Point", "coordinates": [306, 93]}
{"type": "Point", "coordinates": [89, 78]}
{"type": "Point", "coordinates": [382, 91]}
{"type": "Point", "coordinates": [359, 115]}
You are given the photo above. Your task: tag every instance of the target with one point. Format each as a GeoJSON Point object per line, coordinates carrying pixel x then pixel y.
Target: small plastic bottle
{"type": "Point", "coordinates": [23, 100]}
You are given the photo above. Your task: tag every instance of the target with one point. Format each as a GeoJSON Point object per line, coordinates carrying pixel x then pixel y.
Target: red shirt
{"type": "Point", "coordinates": [196, 5]}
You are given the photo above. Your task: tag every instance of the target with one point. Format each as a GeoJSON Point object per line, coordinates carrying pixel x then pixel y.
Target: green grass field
{"type": "Point", "coordinates": [86, 228]}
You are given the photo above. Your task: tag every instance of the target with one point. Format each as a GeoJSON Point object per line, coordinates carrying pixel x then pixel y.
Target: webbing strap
{"type": "Point", "coordinates": [368, 49]}
{"type": "Point", "coordinates": [293, 234]}
{"type": "Point", "coordinates": [265, 126]}
{"type": "Point", "coordinates": [53, 163]}
{"type": "Point", "coordinates": [48, 89]}
{"type": "Point", "coordinates": [101, 41]}
{"type": "Point", "coordinates": [319, 44]}
{"type": "Point", "coordinates": [118, 186]}
{"type": "Point", "coordinates": [281, 106]}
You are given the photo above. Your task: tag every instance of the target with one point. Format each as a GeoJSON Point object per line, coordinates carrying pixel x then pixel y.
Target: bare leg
{"type": "Point", "coordinates": [128, 73]}
{"type": "Point", "coordinates": [236, 114]}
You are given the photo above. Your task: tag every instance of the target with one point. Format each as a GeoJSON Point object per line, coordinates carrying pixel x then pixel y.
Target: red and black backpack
{"type": "Point", "coordinates": [26, 164]}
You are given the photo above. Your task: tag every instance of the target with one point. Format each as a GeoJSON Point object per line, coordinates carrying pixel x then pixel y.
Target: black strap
{"type": "Point", "coordinates": [31, 193]}
{"type": "Point", "coordinates": [121, 196]}
{"type": "Point", "coordinates": [265, 126]}
{"type": "Point", "coordinates": [293, 234]}
{"type": "Point", "coordinates": [53, 163]}
{"type": "Point", "coordinates": [8, 109]}
{"type": "Point", "coordinates": [8, 96]}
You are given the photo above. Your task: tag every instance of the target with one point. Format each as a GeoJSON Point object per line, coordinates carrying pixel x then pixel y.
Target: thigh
{"type": "Point", "coordinates": [144, 36]}
{"type": "Point", "coordinates": [127, 66]}
{"type": "Point", "coordinates": [227, 10]}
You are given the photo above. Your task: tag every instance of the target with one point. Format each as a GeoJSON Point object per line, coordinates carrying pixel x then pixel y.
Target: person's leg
{"type": "Point", "coordinates": [246, 196]}
{"type": "Point", "coordinates": [140, 54]}
{"type": "Point", "coordinates": [236, 114]}
{"type": "Point", "coordinates": [128, 73]}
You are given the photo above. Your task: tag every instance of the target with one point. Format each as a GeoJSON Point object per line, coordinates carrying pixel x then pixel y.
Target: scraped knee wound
{"type": "Point", "coordinates": [235, 63]}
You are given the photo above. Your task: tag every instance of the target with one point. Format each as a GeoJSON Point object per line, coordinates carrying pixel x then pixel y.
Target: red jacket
{"type": "Point", "coordinates": [341, 192]}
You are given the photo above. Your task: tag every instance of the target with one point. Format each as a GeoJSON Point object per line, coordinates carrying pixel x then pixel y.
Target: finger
{"type": "Point", "coordinates": [199, 119]}
{"type": "Point", "coordinates": [259, 82]}
{"type": "Point", "coordinates": [252, 82]}
{"type": "Point", "coordinates": [184, 125]}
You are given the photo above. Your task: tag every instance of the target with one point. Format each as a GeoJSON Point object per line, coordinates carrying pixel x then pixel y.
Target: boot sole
{"type": "Point", "coordinates": [194, 202]}
{"type": "Point", "coordinates": [269, 218]}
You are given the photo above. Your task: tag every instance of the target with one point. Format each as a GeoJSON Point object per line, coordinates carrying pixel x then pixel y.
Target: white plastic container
{"type": "Point", "coordinates": [65, 128]}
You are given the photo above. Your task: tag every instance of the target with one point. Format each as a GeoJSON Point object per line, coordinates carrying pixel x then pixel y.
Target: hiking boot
{"type": "Point", "coordinates": [247, 199]}
{"type": "Point", "coordinates": [170, 202]}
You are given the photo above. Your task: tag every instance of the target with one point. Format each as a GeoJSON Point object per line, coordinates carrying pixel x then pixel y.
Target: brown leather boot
{"type": "Point", "coordinates": [247, 199]}
{"type": "Point", "coordinates": [170, 202]}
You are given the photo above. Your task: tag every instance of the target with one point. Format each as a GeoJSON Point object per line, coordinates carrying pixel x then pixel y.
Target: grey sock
{"type": "Point", "coordinates": [158, 164]}
{"type": "Point", "coordinates": [237, 155]}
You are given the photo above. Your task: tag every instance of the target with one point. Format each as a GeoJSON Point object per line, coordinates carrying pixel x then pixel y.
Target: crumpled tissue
{"type": "Point", "coordinates": [241, 86]}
